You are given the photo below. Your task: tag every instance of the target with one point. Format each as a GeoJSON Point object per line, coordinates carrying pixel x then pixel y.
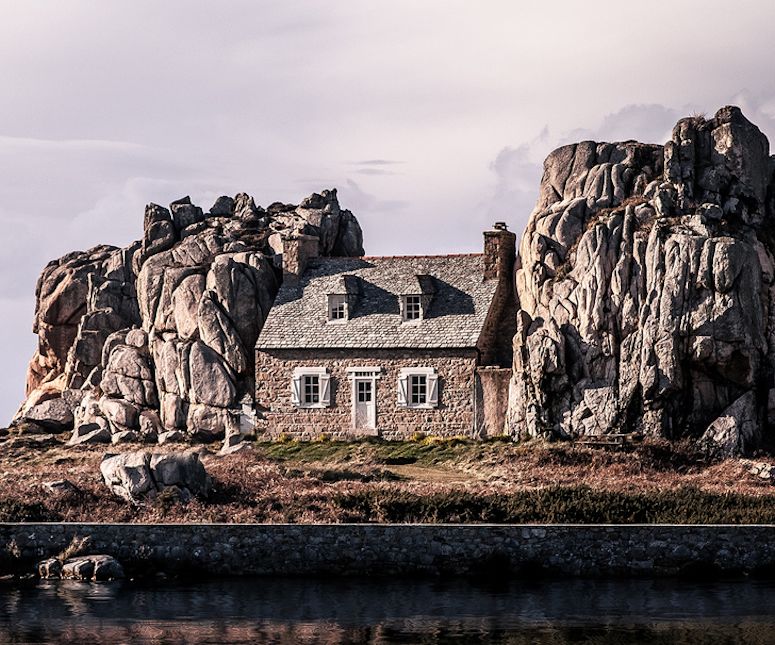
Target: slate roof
{"type": "Point", "coordinates": [462, 298]}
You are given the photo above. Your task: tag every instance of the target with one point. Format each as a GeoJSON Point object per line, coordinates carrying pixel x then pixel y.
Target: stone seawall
{"type": "Point", "coordinates": [367, 549]}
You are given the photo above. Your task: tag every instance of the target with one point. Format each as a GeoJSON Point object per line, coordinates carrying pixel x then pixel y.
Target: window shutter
{"type": "Point", "coordinates": [325, 390]}
{"type": "Point", "coordinates": [403, 398]}
{"type": "Point", "coordinates": [433, 390]}
{"type": "Point", "coordinates": [296, 390]}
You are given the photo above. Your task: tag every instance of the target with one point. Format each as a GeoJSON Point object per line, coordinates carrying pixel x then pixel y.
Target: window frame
{"type": "Point", "coordinates": [404, 381]}
{"type": "Point", "coordinates": [310, 390]}
{"type": "Point", "coordinates": [416, 305]}
{"type": "Point", "coordinates": [338, 302]}
{"type": "Point", "coordinates": [299, 387]}
{"type": "Point", "coordinates": [417, 390]}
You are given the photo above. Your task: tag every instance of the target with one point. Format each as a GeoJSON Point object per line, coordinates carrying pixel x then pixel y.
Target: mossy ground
{"type": "Point", "coordinates": [426, 480]}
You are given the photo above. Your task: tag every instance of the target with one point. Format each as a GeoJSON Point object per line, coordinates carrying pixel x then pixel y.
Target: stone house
{"type": "Point", "coordinates": [389, 346]}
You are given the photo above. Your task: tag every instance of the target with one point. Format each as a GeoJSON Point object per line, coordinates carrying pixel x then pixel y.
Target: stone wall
{"type": "Point", "coordinates": [454, 416]}
{"type": "Point", "coordinates": [342, 549]}
{"type": "Point", "coordinates": [492, 400]}
{"type": "Point", "coordinates": [496, 341]}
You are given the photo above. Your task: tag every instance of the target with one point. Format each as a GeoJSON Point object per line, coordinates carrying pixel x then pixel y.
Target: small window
{"type": "Point", "coordinates": [337, 307]}
{"type": "Point", "coordinates": [412, 307]}
{"type": "Point", "coordinates": [311, 387]}
{"type": "Point", "coordinates": [418, 389]}
{"type": "Point", "coordinates": [311, 393]}
{"type": "Point", "coordinates": [364, 391]}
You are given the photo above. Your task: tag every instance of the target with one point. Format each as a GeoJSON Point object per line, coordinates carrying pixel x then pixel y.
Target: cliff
{"type": "Point", "coordinates": [647, 290]}
{"type": "Point", "coordinates": [159, 336]}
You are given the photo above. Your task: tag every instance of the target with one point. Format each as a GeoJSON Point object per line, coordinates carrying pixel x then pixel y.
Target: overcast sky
{"type": "Point", "coordinates": [430, 117]}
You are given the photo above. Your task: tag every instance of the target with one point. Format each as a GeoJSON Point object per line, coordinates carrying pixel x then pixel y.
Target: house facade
{"type": "Point", "coordinates": [388, 346]}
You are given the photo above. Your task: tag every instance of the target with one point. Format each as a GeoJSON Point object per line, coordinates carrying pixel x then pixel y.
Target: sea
{"type": "Point", "coordinates": [390, 610]}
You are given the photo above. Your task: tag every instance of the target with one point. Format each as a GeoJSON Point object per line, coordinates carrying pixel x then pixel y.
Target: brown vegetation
{"type": "Point", "coordinates": [428, 480]}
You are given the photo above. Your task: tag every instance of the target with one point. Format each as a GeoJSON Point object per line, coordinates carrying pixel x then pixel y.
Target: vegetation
{"type": "Point", "coordinates": [15, 510]}
{"type": "Point", "coordinates": [424, 480]}
{"type": "Point", "coordinates": [559, 504]}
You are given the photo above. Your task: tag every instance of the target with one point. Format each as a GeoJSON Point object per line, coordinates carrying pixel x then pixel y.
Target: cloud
{"type": "Point", "coordinates": [374, 171]}
{"type": "Point", "coordinates": [360, 201]}
{"type": "Point", "coordinates": [517, 171]}
{"type": "Point", "coordinates": [375, 162]}
{"type": "Point", "coordinates": [428, 116]}
{"type": "Point", "coordinates": [647, 123]}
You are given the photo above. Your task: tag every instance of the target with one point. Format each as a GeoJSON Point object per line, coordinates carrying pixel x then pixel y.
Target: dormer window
{"type": "Point", "coordinates": [412, 307]}
{"type": "Point", "coordinates": [342, 298]}
{"type": "Point", "coordinates": [337, 307]}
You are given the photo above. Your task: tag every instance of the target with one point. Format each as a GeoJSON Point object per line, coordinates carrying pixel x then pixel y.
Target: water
{"type": "Point", "coordinates": [390, 611]}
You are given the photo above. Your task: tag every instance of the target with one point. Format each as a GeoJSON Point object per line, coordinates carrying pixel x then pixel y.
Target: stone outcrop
{"type": "Point", "coordinates": [158, 337]}
{"type": "Point", "coordinates": [136, 476]}
{"type": "Point", "coordinates": [646, 281]}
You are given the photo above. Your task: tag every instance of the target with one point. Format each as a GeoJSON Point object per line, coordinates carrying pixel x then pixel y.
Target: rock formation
{"type": "Point", "coordinates": [136, 476]}
{"type": "Point", "coordinates": [157, 338]}
{"type": "Point", "coordinates": [646, 281]}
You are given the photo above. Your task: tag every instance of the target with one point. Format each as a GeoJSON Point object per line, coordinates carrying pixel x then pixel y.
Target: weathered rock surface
{"type": "Point", "coordinates": [53, 415]}
{"type": "Point", "coordinates": [647, 289]}
{"type": "Point", "coordinates": [100, 568]}
{"type": "Point", "coordinates": [136, 476]}
{"type": "Point", "coordinates": [159, 337]}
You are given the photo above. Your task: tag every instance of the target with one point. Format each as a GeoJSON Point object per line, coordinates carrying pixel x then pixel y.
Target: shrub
{"type": "Point", "coordinates": [559, 504]}
{"type": "Point", "coordinates": [12, 510]}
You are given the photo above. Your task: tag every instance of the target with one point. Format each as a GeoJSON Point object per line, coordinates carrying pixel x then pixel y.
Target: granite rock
{"type": "Point", "coordinates": [160, 334]}
{"type": "Point", "coordinates": [647, 293]}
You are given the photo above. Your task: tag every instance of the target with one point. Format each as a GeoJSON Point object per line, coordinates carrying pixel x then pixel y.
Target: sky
{"type": "Point", "coordinates": [430, 117]}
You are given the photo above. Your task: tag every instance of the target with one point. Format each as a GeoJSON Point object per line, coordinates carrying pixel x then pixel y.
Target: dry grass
{"type": "Point", "coordinates": [427, 480]}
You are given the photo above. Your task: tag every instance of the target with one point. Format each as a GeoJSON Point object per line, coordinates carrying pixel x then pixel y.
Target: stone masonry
{"type": "Point", "coordinates": [454, 416]}
{"type": "Point", "coordinates": [406, 549]}
{"type": "Point", "coordinates": [466, 321]}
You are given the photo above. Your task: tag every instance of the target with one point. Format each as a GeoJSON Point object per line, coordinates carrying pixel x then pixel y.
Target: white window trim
{"type": "Point", "coordinates": [329, 308]}
{"type": "Point", "coordinates": [324, 383]}
{"type": "Point", "coordinates": [367, 371]}
{"type": "Point", "coordinates": [405, 308]}
{"type": "Point", "coordinates": [432, 385]}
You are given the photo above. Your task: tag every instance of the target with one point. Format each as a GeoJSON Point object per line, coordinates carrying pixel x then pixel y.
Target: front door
{"type": "Point", "coordinates": [364, 404]}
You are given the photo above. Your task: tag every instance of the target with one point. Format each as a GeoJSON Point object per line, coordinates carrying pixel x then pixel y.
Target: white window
{"type": "Point", "coordinates": [337, 307]}
{"type": "Point", "coordinates": [418, 387]}
{"type": "Point", "coordinates": [311, 387]}
{"type": "Point", "coordinates": [412, 307]}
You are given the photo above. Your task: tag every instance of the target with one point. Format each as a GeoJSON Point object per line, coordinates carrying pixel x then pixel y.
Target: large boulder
{"type": "Point", "coordinates": [138, 476]}
{"type": "Point", "coordinates": [54, 415]}
{"type": "Point", "coordinates": [647, 290]}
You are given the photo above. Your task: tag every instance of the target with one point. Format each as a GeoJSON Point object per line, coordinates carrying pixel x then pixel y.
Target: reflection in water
{"type": "Point", "coordinates": [270, 610]}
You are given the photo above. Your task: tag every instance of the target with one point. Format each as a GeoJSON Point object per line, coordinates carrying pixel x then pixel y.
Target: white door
{"type": "Point", "coordinates": [364, 403]}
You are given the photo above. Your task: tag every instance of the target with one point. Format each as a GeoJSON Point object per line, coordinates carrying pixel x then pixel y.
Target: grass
{"type": "Point", "coordinates": [423, 480]}
{"type": "Point", "coordinates": [560, 504]}
{"type": "Point", "coordinates": [426, 451]}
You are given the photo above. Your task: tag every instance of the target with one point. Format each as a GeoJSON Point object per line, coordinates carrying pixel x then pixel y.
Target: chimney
{"type": "Point", "coordinates": [298, 250]}
{"type": "Point", "coordinates": [500, 252]}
